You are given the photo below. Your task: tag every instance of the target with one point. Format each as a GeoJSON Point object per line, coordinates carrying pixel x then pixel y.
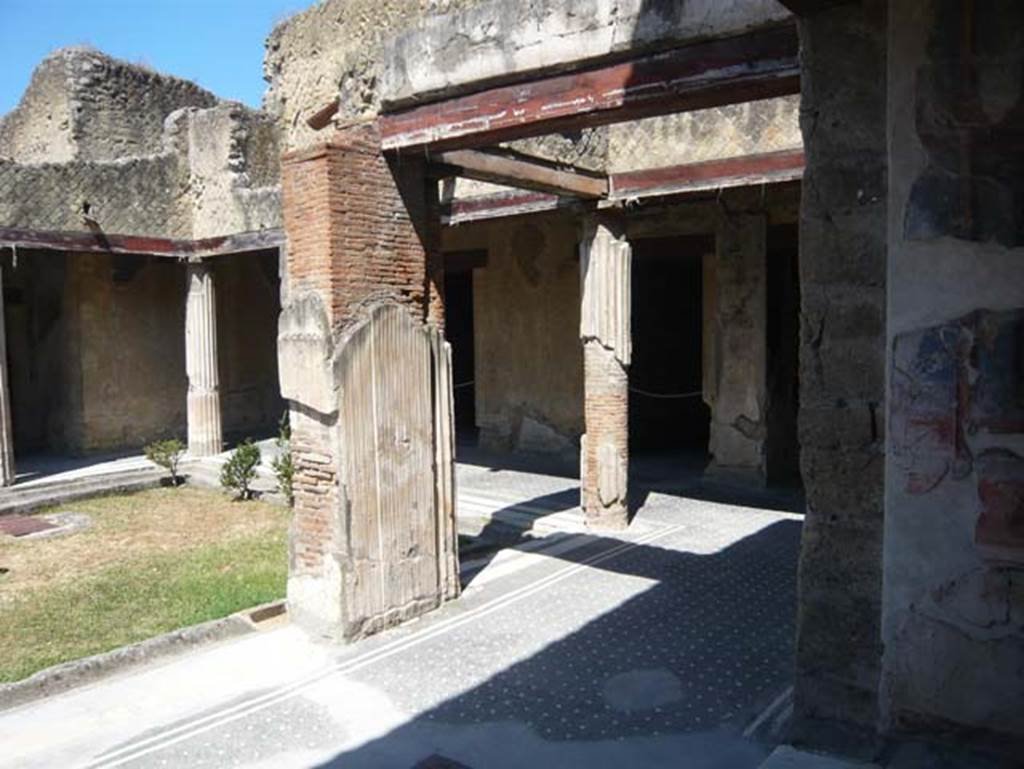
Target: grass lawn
{"type": "Point", "coordinates": [151, 562]}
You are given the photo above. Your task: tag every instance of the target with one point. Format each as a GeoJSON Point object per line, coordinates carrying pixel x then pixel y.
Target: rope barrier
{"type": "Point", "coordinates": [667, 395]}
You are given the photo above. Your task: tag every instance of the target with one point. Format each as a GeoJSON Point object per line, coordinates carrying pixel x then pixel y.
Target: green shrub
{"type": "Point", "coordinates": [240, 469]}
{"type": "Point", "coordinates": [282, 464]}
{"type": "Point", "coordinates": [167, 454]}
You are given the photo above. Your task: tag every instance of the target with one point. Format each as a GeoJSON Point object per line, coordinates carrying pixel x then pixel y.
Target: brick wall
{"type": "Point", "coordinates": [360, 227]}
{"type": "Point", "coordinates": [362, 230]}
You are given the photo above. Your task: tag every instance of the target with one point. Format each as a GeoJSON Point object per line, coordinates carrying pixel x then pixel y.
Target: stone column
{"type": "Point", "coordinates": [204, 422]}
{"type": "Point", "coordinates": [843, 256]}
{"type": "Point", "coordinates": [738, 401]}
{"type": "Point", "coordinates": [605, 332]}
{"type": "Point", "coordinates": [6, 434]}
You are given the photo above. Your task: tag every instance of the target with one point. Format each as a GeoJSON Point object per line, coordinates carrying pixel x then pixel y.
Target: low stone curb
{"type": "Point", "coordinates": [31, 499]}
{"type": "Point", "coordinates": [70, 675]}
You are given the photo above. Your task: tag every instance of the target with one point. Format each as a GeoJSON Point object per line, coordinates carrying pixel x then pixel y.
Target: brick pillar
{"type": "Point", "coordinates": [363, 239]}
{"type": "Point", "coordinates": [740, 359]}
{"type": "Point", "coordinates": [605, 331]}
{"type": "Point", "coordinates": [204, 421]}
{"type": "Point", "coordinates": [6, 434]}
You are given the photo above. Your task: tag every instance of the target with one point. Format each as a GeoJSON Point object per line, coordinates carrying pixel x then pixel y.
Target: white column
{"type": "Point", "coordinates": [605, 261]}
{"type": "Point", "coordinates": [6, 436]}
{"type": "Point", "coordinates": [204, 421]}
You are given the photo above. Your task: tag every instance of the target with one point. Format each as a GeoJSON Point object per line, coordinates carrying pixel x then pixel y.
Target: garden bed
{"type": "Point", "coordinates": [149, 563]}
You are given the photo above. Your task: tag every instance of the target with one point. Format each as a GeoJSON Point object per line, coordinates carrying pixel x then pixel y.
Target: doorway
{"type": "Point", "coordinates": [458, 331]}
{"type": "Point", "coordinates": [667, 413]}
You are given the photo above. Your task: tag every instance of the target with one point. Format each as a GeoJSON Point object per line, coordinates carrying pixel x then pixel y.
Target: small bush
{"type": "Point", "coordinates": [240, 469]}
{"type": "Point", "coordinates": [167, 454]}
{"type": "Point", "coordinates": [282, 464]}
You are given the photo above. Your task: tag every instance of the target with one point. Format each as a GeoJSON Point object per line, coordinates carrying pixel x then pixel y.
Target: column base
{"type": "Point", "coordinates": [610, 519]}
{"type": "Point", "coordinates": [204, 426]}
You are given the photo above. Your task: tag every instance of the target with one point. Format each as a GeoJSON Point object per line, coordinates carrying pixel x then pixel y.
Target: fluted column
{"type": "Point", "coordinates": [607, 346]}
{"type": "Point", "coordinates": [6, 436]}
{"type": "Point", "coordinates": [204, 421]}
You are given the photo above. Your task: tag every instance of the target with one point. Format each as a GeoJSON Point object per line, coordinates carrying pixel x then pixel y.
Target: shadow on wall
{"type": "Point", "coordinates": [670, 674]}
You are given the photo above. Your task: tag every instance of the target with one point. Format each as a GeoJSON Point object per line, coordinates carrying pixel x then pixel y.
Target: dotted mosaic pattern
{"type": "Point", "coordinates": [719, 622]}
{"type": "Point", "coordinates": [663, 649]}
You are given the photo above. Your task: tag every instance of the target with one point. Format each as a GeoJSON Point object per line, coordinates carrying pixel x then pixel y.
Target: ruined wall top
{"type": "Point", "coordinates": [151, 154]}
{"type": "Point", "coordinates": [334, 49]}
{"type": "Point", "coordinates": [82, 104]}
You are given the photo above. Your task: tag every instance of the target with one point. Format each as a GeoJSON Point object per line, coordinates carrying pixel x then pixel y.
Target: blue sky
{"type": "Point", "coordinates": [217, 43]}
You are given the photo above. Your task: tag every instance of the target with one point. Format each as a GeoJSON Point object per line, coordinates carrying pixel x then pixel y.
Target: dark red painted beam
{"type": "Point", "coordinates": [90, 242]}
{"type": "Point", "coordinates": [754, 66]}
{"type": "Point", "coordinates": [769, 167]}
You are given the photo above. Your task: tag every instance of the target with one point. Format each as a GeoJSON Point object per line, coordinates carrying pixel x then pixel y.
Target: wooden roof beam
{"type": "Point", "coordinates": [524, 173]}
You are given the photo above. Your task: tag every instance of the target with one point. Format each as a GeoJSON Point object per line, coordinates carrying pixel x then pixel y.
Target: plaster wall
{"type": "Point", "coordinates": [953, 611]}
{"type": "Point", "coordinates": [529, 359]}
{"type": "Point", "coordinates": [129, 332]}
{"type": "Point", "coordinates": [767, 125]}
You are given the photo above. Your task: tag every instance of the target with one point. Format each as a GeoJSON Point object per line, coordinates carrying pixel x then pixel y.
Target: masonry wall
{"type": "Point", "coordinates": [767, 125]}
{"type": "Point", "coordinates": [529, 360]}
{"type": "Point", "coordinates": [842, 369]}
{"type": "Point", "coordinates": [139, 154]}
{"type": "Point", "coordinates": [361, 235]}
{"type": "Point", "coordinates": [127, 321]}
{"type": "Point", "coordinates": [953, 619]}
{"type": "Point", "coordinates": [334, 49]}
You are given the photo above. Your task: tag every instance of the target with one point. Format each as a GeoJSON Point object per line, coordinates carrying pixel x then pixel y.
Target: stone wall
{"type": "Point", "coordinates": [233, 169]}
{"type": "Point", "coordinates": [84, 105]}
{"type": "Point", "coordinates": [953, 619]}
{"type": "Point", "coordinates": [768, 125]}
{"type": "Point", "coordinates": [138, 196]}
{"type": "Point", "coordinates": [39, 130]}
{"type": "Point", "coordinates": [126, 322]}
{"type": "Point", "coordinates": [842, 368]}
{"type": "Point", "coordinates": [529, 375]}
{"type": "Point", "coordinates": [139, 153]}
{"type": "Point", "coordinates": [333, 50]}
{"type": "Point", "coordinates": [97, 349]}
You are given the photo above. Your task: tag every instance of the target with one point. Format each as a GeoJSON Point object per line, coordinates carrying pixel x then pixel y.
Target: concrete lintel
{"type": "Point", "coordinates": [500, 42]}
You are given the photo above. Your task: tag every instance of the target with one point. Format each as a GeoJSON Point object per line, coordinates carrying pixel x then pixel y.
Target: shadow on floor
{"type": "Point", "coordinates": [667, 677]}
